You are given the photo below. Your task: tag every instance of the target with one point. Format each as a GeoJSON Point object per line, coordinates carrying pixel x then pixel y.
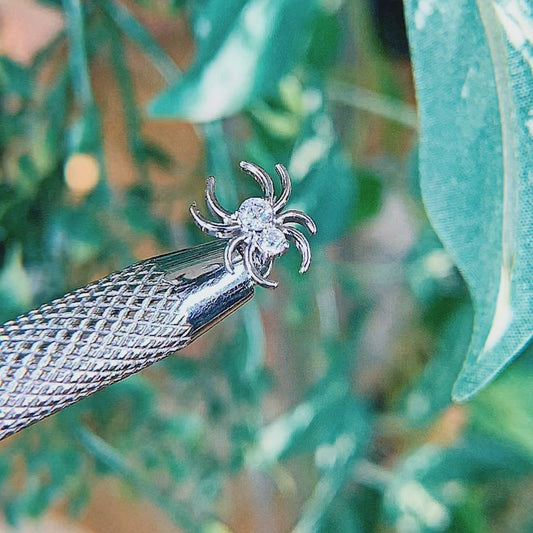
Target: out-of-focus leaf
{"type": "Point", "coordinates": [187, 428]}
{"type": "Point", "coordinates": [474, 80]}
{"type": "Point", "coordinates": [337, 432]}
{"type": "Point", "coordinates": [370, 187]}
{"type": "Point", "coordinates": [175, 6]}
{"type": "Point", "coordinates": [389, 107]}
{"type": "Point", "coordinates": [433, 277]}
{"type": "Point", "coordinates": [55, 113]}
{"type": "Point", "coordinates": [55, 3]}
{"type": "Point", "coordinates": [243, 355]}
{"type": "Point", "coordinates": [78, 62]}
{"type": "Point", "coordinates": [277, 121]}
{"type": "Point", "coordinates": [129, 105]}
{"type": "Point", "coordinates": [132, 400]}
{"type": "Point", "coordinates": [432, 482]}
{"type": "Point", "coordinates": [76, 234]}
{"type": "Point", "coordinates": [342, 517]}
{"type": "Point", "coordinates": [50, 466]}
{"type": "Point", "coordinates": [505, 409]}
{"type": "Point", "coordinates": [78, 498]}
{"type": "Point", "coordinates": [84, 134]}
{"type": "Point", "coordinates": [433, 391]}
{"type": "Point", "coordinates": [14, 78]}
{"type": "Point", "coordinates": [326, 416]}
{"type": "Point", "coordinates": [138, 213]}
{"type": "Point", "coordinates": [219, 163]}
{"type": "Point", "coordinates": [325, 38]}
{"type": "Point", "coordinates": [158, 155]}
{"type": "Point", "coordinates": [143, 38]}
{"type": "Point", "coordinates": [331, 423]}
{"type": "Point", "coordinates": [329, 191]}
{"type": "Point", "coordinates": [5, 468]}
{"type": "Point", "coordinates": [15, 286]}
{"type": "Point", "coordinates": [390, 27]}
{"type": "Point", "coordinates": [181, 368]}
{"type": "Point", "coordinates": [303, 135]}
{"type": "Point", "coordinates": [244, 50]}
{"type": "Point", "coordinates": [109, 459]}
{"type": "Point", "coordinates": [339, 457]}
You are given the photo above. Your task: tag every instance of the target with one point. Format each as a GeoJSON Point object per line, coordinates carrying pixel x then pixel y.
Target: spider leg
{"type": "Point", "coordinates": [262, 177]}
{"type": "Point", "coordinates": [292, 215]}
{"type": "Point", "coordinates": [286, 188]}
{"type": "Point", "coordinates": [298, 238]}
{"type": "Point", "coordinates": [252, 270]}
{"type": "Point", "coordinates": [212, 203]}
{"type": "Point", "coordinates": [230, 248]}
{"type": "Point", "coordinates": [212, 228]}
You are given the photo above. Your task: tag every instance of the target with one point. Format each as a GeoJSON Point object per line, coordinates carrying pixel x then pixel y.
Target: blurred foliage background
{"type": "Point", "coordinates": [322, 406]}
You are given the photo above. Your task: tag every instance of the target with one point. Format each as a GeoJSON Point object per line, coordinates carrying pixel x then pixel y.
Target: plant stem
{"type": "Point", "coordinates": [372, 102]}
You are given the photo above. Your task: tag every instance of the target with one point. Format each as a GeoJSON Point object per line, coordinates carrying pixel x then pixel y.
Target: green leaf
{"type": "Point", "coordinates": [325, 37]}
{"type": "Point", "coordinates": [341, 456]}
{"type": "Point", "coordinates": [14, 78]}
{"type": "Point", "coordinates": [505, 409]}
{"type": "Point", "coordinates": [332, 424]}
{"type": "Point", "coordinates": [432, 393]}
{"type": "Point", "coordinates": [138, 213]}
{"type": "Point", "coordinates": [320, 421]}
{"type": "Point", "coordinates": [83, 136]}
{"type": "Point", "coordinates": [15, 288]}
{"type": "Point", "coordinates": [430, 484]}
{"type": "Point", "coordinates": [343, 517]}
{"type": "Point", "coordinates": [79, 68]}
{"type": "Point", "coordinates": [78, 498]}
{"type": "Point", "coordinates": [131, 27]}
{"type": "Point", "coordinates": [277, 121]}
{"type": "Point", "coordinates": [329, 189]}
{"type": "Point", "coordinates": [77, 234]}
{"type": "Point", "coordinates": [474, 82]}
{"type": "Point", "coordinates": [435, 281]}
{"type": "Point", "coordinates": [370, 189]}
{"type": "Point", "coordinates": [132, 400]}
{"type": "Point", "coordinates": [158, 155]}
{"type": "Point", "coordinates": [242, 355]}
{"type": "Point", "coordinates": [129, 105]}
{"type": "Point", "coordinates": [244, 50]}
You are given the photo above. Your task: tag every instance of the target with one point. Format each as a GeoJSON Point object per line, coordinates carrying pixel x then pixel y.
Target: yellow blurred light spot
{"type": "Point", "coordinates": [216, 527]}
{"type": "Point", "coordinates": [82, 173]}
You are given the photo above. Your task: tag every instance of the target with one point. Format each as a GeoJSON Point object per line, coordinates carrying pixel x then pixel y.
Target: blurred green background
{"type": "Point", "coordinates": [324, 405]}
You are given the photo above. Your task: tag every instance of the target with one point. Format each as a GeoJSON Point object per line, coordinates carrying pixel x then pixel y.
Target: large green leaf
{"type": "Point", "coordinates": [245, 47]}
{"type": "Point", "coordinates": [472, 65]}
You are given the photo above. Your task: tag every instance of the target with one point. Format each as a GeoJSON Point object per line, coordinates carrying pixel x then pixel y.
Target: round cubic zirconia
{"type": "Point", "coordinates": [255, 214]}
{"type": "Point", "coordinates": [272, 241]}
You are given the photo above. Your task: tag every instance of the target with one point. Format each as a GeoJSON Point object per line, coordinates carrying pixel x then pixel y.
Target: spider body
{"type": "Point", "coordinates": [259, 230]}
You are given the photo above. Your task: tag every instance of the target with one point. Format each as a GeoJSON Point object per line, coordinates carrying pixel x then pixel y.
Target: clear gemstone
{"type": "Point", "coordinates": [255, 214]}
{"type": "Point", "coordinates": [272, 241]}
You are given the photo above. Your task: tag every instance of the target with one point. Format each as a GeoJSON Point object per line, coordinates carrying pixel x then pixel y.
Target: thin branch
{"type": "Point", "coordinates": [372, 102]}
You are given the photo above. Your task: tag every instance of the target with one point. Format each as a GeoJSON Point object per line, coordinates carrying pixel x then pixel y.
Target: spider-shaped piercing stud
{"type": "Point", "coordinates": [258, 230]}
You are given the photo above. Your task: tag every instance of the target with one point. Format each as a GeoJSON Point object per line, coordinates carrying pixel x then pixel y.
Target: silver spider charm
{"type": "Point", "coordinates": [258, 230]}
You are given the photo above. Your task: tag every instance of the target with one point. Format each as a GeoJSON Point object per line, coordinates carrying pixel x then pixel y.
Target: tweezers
{"type": "Point", "coordinates": [102, 333]}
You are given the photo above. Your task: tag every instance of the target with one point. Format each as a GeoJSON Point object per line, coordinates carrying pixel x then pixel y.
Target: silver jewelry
{"type": "Point", "coordinates": [78, 344]}
{"type": "Point", "coordinates": [259, 229]}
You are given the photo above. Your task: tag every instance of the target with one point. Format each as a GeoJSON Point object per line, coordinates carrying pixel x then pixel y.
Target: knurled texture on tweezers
{"type": "Point", "coordinates": [86, 340]}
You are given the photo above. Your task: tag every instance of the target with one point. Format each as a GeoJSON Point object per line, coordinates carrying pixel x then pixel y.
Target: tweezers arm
{"type": "Point", "coordinates": [102, 333]}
